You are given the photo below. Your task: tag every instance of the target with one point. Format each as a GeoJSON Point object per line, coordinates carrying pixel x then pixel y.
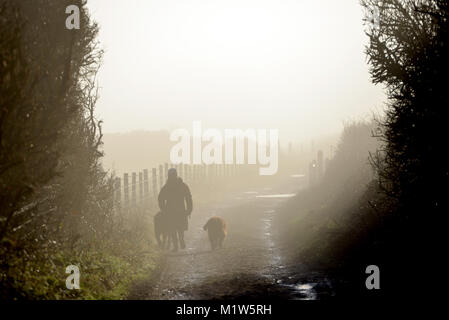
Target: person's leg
{"type": "Point", "coordinates": [166, 240]}
{"type": "Point", "coordinates": [174, 238]}
{"type": "Point", "coordinates": [158, 238]}
{"type": "Point", "coordinates": [181, 239]}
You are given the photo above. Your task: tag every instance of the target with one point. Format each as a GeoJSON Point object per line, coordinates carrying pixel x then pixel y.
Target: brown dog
{"type": "Point", "coordinates": [216, 228]}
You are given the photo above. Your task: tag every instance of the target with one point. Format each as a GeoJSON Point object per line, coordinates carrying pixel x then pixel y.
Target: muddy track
{"type": "Point", "coordinates": [250, 265]}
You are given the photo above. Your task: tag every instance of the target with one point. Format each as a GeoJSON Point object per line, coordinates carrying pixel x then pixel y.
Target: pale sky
{"type": "Point", "coordinates": [294, 65]}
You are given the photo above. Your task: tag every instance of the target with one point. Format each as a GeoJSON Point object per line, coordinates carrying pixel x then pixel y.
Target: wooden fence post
{"type": "Point", "coordinates": [165, 170]}
{"type": "Point", "coordinates": [181, 171]}
{"type": "Point", "coordinates": [140, 188]}
{"type": "Point", "coordinates": [146, 189]}
{"type": "Point", "coordinates": [126, 190]}
{"type": "Point", "coordinates": [133, 189]}
{"type": "Point", "coordinates": [161, 176]}
{"type": "Point", "coordinates": [154, 179]}
{"type": "Point", "coordinates": [118, 192]}
{"type": "Point", "coordinates": [186, 172]}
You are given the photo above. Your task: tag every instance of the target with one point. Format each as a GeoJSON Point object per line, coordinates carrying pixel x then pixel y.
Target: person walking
{"type": "Point", "coordinates": [175, 200]}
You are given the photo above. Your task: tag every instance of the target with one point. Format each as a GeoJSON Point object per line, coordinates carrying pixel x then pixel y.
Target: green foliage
{"type": "Point", "coordinates": [104, 275]}
{"type": "Point", "coordinates": [56, 201]}
{"type": "Point", "coordinates": [43, 69]}
{"type": "Point", "coordinates": [363, 219]}
{"type": "Point", "coordinates": [408, 53]}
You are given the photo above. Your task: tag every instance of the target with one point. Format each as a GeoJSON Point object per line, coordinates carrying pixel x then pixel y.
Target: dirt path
{"type": "Point", "coordinates": [250, 264]}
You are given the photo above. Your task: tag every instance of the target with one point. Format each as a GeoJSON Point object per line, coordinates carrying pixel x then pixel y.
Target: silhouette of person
{"type": "Point", "coordinates": [175, 200]}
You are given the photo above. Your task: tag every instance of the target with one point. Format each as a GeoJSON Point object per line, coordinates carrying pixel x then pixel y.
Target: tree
{"type": "Point", "coordinates": [409, 53]}
{"type": "Point", "coordinates": [43, 72]}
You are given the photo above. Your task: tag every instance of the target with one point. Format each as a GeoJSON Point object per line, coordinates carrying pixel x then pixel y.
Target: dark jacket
{"type": "Point", "coordinates": [175, 200]}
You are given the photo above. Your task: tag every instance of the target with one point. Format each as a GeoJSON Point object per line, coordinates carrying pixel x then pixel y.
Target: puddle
{"type": "Point", "coordinates": [304, 291]}
{"type": "Point", "coordinates": [276, 270]}
{"type": "Point", "coordinates": [307, 290]}
{"type": "Point", "coordinates": [250, 192]}
{"type": "Point", "coordinates": [280, 195]}
{"type": "Point", "coordinates": [297, 176]}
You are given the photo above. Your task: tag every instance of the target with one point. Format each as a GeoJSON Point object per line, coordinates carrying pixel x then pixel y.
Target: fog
{"type": "Point", "coordinates": [187, 149]}
{"type": "Point", "coordinates": [296, 66]}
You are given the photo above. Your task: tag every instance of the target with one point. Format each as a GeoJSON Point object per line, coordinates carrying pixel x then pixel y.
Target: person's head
{"type": "Point", "coordinates": [172, 174]}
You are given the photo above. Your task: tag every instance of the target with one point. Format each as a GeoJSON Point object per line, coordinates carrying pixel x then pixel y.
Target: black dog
{"type": "Point", "coordinates": [161, 230]}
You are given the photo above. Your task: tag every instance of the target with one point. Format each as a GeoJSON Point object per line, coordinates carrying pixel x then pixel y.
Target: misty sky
{"type": "Point", "coordinates": [295, 65]}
